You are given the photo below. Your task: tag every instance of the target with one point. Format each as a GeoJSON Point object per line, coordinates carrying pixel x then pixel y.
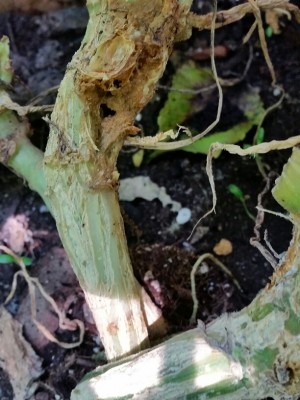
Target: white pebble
{"type": "Point", "coordinates": [43, 209]}
{"type": "Point", "coordinates": [203, 269]}
{"type": "Point", "coordinates": [183, 216]}
{"type": "Point", "coordinates": [277, 92]}
{"type": "Point", "coordinates": [138, 117]}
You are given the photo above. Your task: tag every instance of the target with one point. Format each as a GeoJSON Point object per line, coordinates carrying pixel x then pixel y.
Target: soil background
{"type": "Point", "coordinates": [41, 46]}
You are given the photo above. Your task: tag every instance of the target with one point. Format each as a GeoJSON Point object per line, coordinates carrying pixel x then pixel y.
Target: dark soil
{"type": "Point", "coordinates": [161, 253]}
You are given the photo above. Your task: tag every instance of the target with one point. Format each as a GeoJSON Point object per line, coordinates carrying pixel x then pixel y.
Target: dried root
{"type": "Point", "coordinates": [193, 283]}
{"type": "Point", "coordinates": [64, 322]}
{"type": "Point", "coordinates": [234, 149]}
{"type": "Point", "coordinates": [255, 241]}
{"type": "Point", "coordinates": [262, 38]}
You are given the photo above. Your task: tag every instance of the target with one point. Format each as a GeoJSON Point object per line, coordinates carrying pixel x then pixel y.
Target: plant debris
{"type": "Point", "coordinates": [17, 357]}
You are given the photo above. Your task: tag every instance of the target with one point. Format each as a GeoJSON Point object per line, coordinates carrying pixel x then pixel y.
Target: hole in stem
{"type": "Point", "coordinates": [105, 111]}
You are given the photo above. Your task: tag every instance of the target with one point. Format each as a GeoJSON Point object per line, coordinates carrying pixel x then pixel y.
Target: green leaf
{"type": "Point", "coordinates": [178, 105]}
{"type": "Point", "coordinates": [232, 135]}
{"type": "Point", "coordinates": [8, 259]}
{"type": "Point", "coordinates": [138, 157]}
{"type": "Point", "coordinates": [236, 191]}
{"type": "Point", "coordinates": [27, 261]}
{"type": "Point", "coordinates": [260, 136]}
{"type": "Point", "coordinates": [269, 32]}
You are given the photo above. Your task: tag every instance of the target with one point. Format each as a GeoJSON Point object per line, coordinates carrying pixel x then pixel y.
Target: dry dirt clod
{"type": "Point", "coordinates": [223, 247]}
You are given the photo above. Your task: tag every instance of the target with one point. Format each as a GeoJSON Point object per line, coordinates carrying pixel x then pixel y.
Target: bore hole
{"type": "Point", "coordinates": [291, 373]}
{"type": "Point", "coordinates": [105, 111]}
{"type": "Point", "coordinates": [117, 83]}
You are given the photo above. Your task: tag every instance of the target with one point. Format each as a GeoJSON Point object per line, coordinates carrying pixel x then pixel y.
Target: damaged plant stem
{"type": "Point", "coordinates": [109, 80]}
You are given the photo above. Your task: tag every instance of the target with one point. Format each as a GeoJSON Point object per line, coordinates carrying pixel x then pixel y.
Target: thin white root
{"type": "Point", "coordinates": [64, 322]}
{"type": "Point", "coordinates": [261, 148]}
{"type": "Point", "coordinates": [153, 142]}
{"type": "Point", "coordinates": [256, 240]}
{"type": "Point", "coordinates": [278, 214]}
{"type": "Point", "coordinates": [262, 38]}
{"type": "Point", "coordinates": [250, 32]}
{"type": "Point", "coordinates": [269, 245]}
{"type": "Point", "coordinates": [193, 281]}
{"type": "Point", "coordinates": [7, 104]}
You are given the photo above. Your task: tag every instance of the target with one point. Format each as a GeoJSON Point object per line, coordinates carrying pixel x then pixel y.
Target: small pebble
{"type": "Point", "coordinates": [203, 269]}
{"type": "Point", "coordinates": [276, 91]}
{"type": "Point", "coordinates": [183, 216]}
{"type": "Point", "coordinates": [138, 117]}
{"type": "Point", "coordinates": [43, 209]}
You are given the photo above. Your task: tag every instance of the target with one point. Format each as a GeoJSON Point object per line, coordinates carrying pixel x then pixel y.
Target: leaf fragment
{"type": "Point", "coordinates": [186, 81]}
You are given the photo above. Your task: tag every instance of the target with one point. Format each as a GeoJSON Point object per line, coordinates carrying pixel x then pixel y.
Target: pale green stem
{"type": "Point", "coordinates": [110, 78]}
{"type": "Point", "coordinates": [20, 154]}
